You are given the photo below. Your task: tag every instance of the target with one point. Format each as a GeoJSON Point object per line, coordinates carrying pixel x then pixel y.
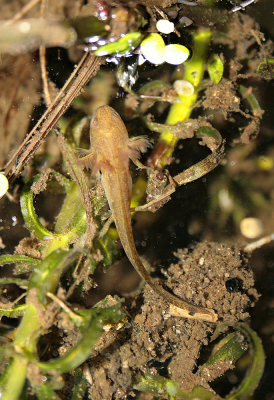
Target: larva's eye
{"type": "Point", "coordinates": [115, 114]}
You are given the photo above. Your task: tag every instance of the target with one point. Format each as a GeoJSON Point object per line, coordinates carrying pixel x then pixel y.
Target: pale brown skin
{"type": "Point", "coordinates": [111, 150]}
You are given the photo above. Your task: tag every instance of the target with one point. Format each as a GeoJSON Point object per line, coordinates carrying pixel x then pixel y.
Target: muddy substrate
{"type": "Point", "coordinates": [152, 341]}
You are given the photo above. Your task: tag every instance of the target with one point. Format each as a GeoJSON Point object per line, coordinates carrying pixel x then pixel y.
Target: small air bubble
{"type": "Point", "coordinates": [92, 39]}
{"type": "Point", "coordinates": [46, 237]}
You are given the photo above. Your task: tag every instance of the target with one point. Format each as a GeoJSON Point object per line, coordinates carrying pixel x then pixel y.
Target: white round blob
{"type": "Point", "coordinates": [165, 26]}
{"type": "Point", "coordinates": [176, 54]}
{"type": "Point", "coordinates": [183, 88]}
{"type": "Point", "coordinates": [4, 185]}
{"type": "Point", "coordinates": [153, 48]}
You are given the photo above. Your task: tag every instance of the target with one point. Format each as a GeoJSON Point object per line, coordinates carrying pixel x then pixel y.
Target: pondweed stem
{"type": "Point", "coordinates": [179, 111]}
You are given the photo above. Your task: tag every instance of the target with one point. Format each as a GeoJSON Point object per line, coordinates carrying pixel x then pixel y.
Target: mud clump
{"type": "Point", "coordinates": [152, 341]}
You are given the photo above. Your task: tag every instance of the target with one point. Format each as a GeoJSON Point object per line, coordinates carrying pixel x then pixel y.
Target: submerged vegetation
{"type": "Point", "coordinates": [188, 76]}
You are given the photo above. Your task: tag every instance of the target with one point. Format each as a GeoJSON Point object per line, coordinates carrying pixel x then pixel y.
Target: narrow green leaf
{"type": "Point", "coordinates": [256, 369]}
{"type": "Point", "coordinates": [16, 258]}
{"type": "Point", "coordinates": [15, 312]}
{"type": "Point", "coordinates": [230, 348]}
{"type": "Point", "coordinates": [162, 386]}
{"type": "Point", "coordinates": [79, 353]}
{"type": "Point", "coordinates": [15, 281]}
{"type": "Point", "coordinates": [31, 220]}
{"type": "Point", "coordinates": [215, 68]}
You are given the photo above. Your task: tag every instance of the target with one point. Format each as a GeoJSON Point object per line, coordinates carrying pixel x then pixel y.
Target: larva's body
{"type": "Point", "coordinates": [111, 150]}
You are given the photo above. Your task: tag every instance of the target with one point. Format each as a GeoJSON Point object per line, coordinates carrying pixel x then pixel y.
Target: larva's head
{"type": "Point", "coordinates": [107, 122]}
{"type": "Point", "coordinates": [104, 115]}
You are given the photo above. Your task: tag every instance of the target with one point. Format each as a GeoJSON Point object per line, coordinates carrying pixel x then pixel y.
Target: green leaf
{"type": "Point", "coordinates": [163, 386]}
{"type": "Point", "coordinates": [253, 102]}
{"type": "Point", "coordinates": [215, 68]}
{"type": "Point", "coordinates": [79, 353]}
{"type": "Point", "coordinates": [208, 131]}
{"type": "Point", "coordinates": [153, 48]}
{"type": "Point", "coordinates": [256, 369]}
{"type": "Point", "coordinates": [88, 26]}
{"type": "Point", "coordinates": [31, 219]}
{"type": "Point", "coordinates": [125, 44]}
{"type": "Point", "coordinates": [230, 348]}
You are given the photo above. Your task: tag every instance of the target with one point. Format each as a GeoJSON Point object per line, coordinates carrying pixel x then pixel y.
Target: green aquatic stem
{"type": "Point", "coordinates": [16, 375]}
{"type": "Point", "coordinates": [45, 278]}
{"type": "Point", "coordinates": [193, 73]}
{"type": "Point", "coordinates": [179, 111]}
{"type": "Point", "coordinates": [28, 330]}
{"type": "Point", "coordinates": [88, 26]}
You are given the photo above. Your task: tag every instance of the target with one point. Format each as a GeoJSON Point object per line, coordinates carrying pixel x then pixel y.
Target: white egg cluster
{"type": "Point", "coordinates": [154, 50]}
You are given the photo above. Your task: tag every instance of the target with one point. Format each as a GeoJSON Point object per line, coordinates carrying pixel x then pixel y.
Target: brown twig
{"type": "Point", "coordinates": [249, 248]}
{"type": "Point", "coordinates": [192, 173]}
{"type": "Point", "coordinates": [44, 75]}
{"type": "Point", "coordinates": [42, 56]}
{"type": "Point", "coordinates": [87, 67]}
